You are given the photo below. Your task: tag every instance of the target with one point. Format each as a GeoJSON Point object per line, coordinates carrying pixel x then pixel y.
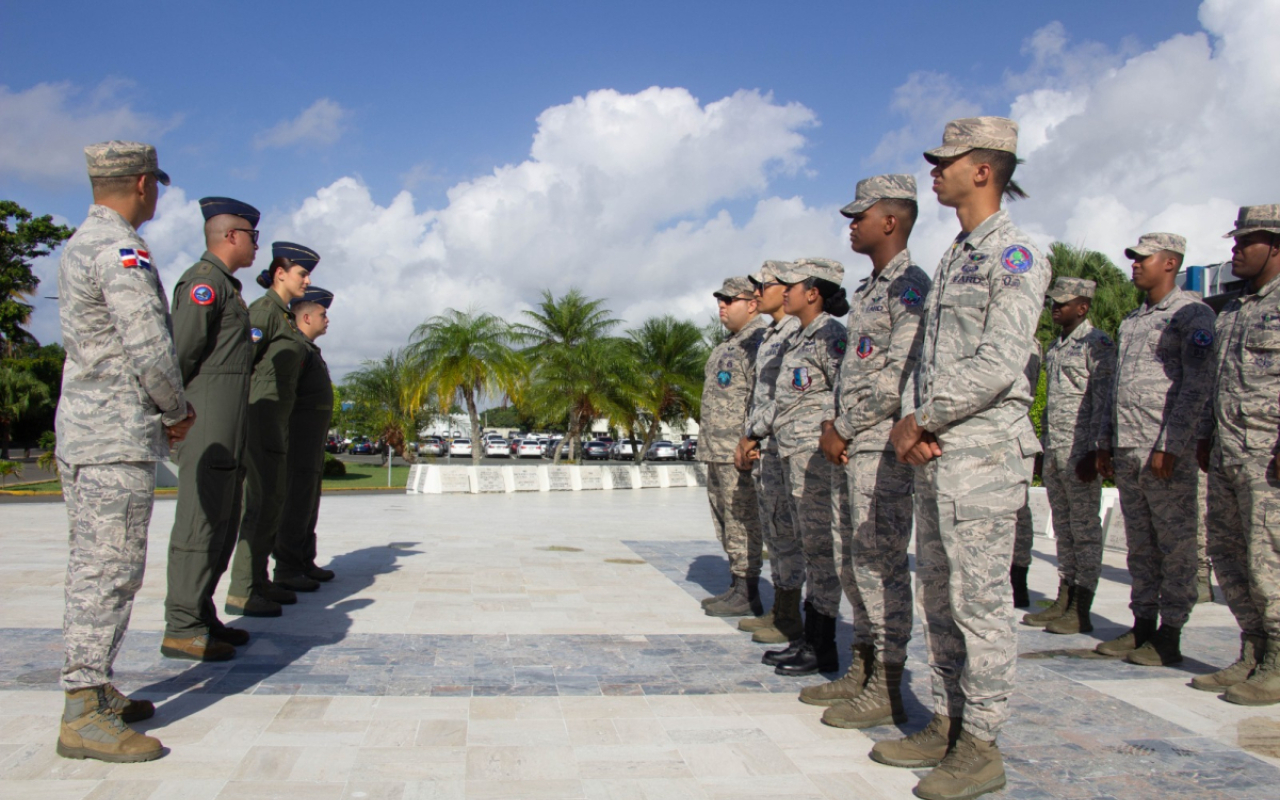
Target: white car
{"type": "Point", "coordinates": [497, 448]}
{"type": "Point", "coordinates": [661, 451]}
{"type": "Point", "coordinates": [460, 447]}
{"type": "Point", "coordinates": [528, 448]}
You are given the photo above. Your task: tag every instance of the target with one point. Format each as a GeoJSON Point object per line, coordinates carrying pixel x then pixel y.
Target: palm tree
{"type": "Point", "coordinates": [1114, 298]}
{"type": "Point", "coordinates": [669, 356]}
{"type": "Point", "coordinates": [385, 396]}
{"type": "Point", "coordinates": [20, 392]}
{"type": "Point", "coordinates": [466, 355]}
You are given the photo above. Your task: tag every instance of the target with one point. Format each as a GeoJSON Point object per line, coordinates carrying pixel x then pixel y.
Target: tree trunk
{"type": "Point", "coordinates": [477, 450]}
{"type": "Point", "coordinates": [650, 437]}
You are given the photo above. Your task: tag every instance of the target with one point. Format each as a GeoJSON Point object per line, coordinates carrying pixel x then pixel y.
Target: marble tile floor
{"type": "Point", "coordinates": [552, 646]}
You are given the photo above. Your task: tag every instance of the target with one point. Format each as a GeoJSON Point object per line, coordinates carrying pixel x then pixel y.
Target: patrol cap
{"type": "Point", "coordinates": [975, 133]}
{"type": "Point", "coordinates": [769, 271]}
{"type": "Point", "coordinates": [1065, 289]}
{"type": "Point", "coordinates": [821, 268]}
{"type": "Point", "coordinates": [314, 294]}
{"type": "Point", "coordinates": [115, 159]}
{"type": "Point", "coordinates": [735, 288]}
{"type": "Point", "coordinates": [1149, 243]}
{"type": "Point", "coordinates": [882, 187]}
{"type": "Point", "coordinates": [216, 206]}
{"type": "Point", "coordinates": [299, 254]}
{"type": "Point", "coordinates": [1256, 218]}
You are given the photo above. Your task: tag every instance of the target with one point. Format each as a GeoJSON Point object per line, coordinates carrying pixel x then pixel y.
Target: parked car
{"type": "Point", "coordinates": [661, 451]}
{"type": "Point", "coordinates": [497, 448]}
{"type": "Point", "coordinates": [687, 450]}
{"type": "Point", "coordinates": [544, 445]}
{"type": "Point", "coordinates": [363, 447]}
{"type": "Point", "coordinates": [595, 451]}
{"type": "Point", "coordinates": [514, 447]}
{"type": "Point", "coordinates": [335, 445]}
{"type": "Point", "coordinates": [460, 447]}
{"type": "Point", "coordinates": [431, 446]}
{"type": "Point", "coordinates": [528, 448]}
{"type": "Point", "coordinates": [623, 449]}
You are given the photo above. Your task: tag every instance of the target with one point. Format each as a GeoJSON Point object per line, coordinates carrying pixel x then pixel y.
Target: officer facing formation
{"type": "Point", "coordinates": [211, 332]}
{"type": "Point", "coordinates": [1161, 386]}
{"type": "Point", "coordinates": [872, 493]}
{"type": "Point", "coordinates": [122, 407]}
{"type": "Point", "coordinates": [1238, 448]}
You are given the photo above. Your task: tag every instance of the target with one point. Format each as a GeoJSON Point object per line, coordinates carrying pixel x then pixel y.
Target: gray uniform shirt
{"type": "Point", "coordinates": [1162, 374]}
{"type": "Point", "coordinates": [1079, 370]}
{"type": "Point", "coordinates": [804, 389]}
{"type": "Point", "coordinates": [773, 346]}
{"type": "Point", "coordinates": [885, 336]}
{"type": "Point", "coordinates": [980, 322]}
{"type": "Point", "coordinates": [726, 391]}
{"type": "Point", "coordinates": [121, 381]}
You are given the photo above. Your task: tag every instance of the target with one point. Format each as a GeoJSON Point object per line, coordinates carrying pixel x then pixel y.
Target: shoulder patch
{"type": "Point", "coordinates": [255, 334]}
{"type": "Point", "coordinates": [800, 379]}
{"type": "Point", "coordinates": [131, 257]}
{"type": "Point", "coordinates": [724, 377]}
{"type": "Point", "coordinates": [1202, 338]}
{"type": "Point", "coordinates": [838, 346]}
{"type": "Point", "coordinates": [1105, 339]}
{"type": "Point", "coordinates": [911, 297]}
{"type": "Point", "coordinates": [1017, 259]}
{"type": "Point", "coordinates": [202, 294]}
{"type": "Point", "coordinates": [866, 346]}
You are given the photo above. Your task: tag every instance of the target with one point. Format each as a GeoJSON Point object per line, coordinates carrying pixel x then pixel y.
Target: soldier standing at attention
{"type": "Point", "coordinates": [313, 322]}
{"type": "Point", "coordinates": [280, 353]}
{"type": "Point", "coordinates": [211, 332]}
{"type": "Point", "coordinates": [803, 397]}
{"type": "Point", "coordinates": [1161, 385]}
{"type": "Point", "coordinates": [1238, 448]}
{"type": "Point", "coordinates": [783, 624]}
{"type": "Point", "coordinates": [1025, 532]}
{"type": "Point", "coordinates": [122, 407]}
{"type": "Point", "coordinates": [872, 495]}
{"type": "Point", "coordinates": [965, 427]}
{"type": "Point", "coordinates": [1080, 366]}
{"type": "Point", "coordinates": [726, 391]}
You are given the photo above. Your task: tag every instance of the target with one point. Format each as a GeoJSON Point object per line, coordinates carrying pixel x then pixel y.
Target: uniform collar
{"type": "Point", "coordinates": [988, 226]}
{"type": "Point", "coordinates": [751, 327]}
{"type": "Point", "coordinates": [896, 266]}
{"type": "Point", "coordinates": [814, 326]}
{"type": "Point", "coordinates": [1164, 303]}
{"type": "Point", "coordinates": [275, 298]}
{"type": "Point", "coordinates": [1266, 289]}
{"type": "Point", "coordinates": [1082, 330]}
{"type": "Point", "coordinates": [111, 217]}
{"type": "Point", "coordinates": [217, 262]}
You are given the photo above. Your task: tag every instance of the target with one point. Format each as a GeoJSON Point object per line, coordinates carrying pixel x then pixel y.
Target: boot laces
{"type": "Point", "coordinates": [962, 756]}
{"type": "Point", "coordinates": [931, 731]}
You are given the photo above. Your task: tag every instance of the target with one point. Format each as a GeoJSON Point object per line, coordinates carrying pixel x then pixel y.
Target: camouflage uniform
{"type": "Point", "coordinates": [120, 386]}
{"type": "Point", "coordinates": [970, 391]}
{"type": "Point", "coordinates": [726, 391]}
{"type": "Point", "coordinates": [803, 398]}
{"type": "Point", "coordinates": [1161, 386]}
{"type": "Point", "coordinates": [1024, 531]}
{"type": "Point", "coordinates": [1079, 370]}
{"type": "Point", "coordinates": [872, 504]}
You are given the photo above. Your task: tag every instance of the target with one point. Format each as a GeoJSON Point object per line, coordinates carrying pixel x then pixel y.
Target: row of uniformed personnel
{"type": "Point", "coordinates": [242, 395]}
{"type": "Point", "coordinates": [928, 418]}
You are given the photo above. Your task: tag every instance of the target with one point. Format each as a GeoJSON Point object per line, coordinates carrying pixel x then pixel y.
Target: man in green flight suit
{"type": "Point", "coordinates": [308, 427]}
{"type": "Point", "coordinates": [211, 331]}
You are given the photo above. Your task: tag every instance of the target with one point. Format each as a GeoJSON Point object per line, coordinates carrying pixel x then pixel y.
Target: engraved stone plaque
{"type": "Point", "coordinates": [590, 477]}
{"type": "Point", "coordinates": [560, 480]}
{"type": "Point", "coordinates": [526, 478]}
{"type": "Point", "coordinates": [676, 476]}
{"type": "Point", "coordinates": [621, 477]}
{"type": "Point", "coordinates": [649, 478]}
{"type": "Point", "coordinates": [490, 479]}
{"type": "Point", "coordinates": [699, 473]}
{"type": "Point", "coordinates": [454, 479]}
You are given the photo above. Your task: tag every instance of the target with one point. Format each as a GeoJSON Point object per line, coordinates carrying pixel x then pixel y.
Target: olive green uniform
{"type": "Point", "coordinates": [280, 353]}
{"type": "Point", "coordinates": [308, 427]}
{"type": "Point", "coordinates": [211, 331]}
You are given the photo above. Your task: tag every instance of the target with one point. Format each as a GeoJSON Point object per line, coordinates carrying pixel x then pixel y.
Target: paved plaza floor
{"type": "Point", "coordinates": [551, 645]}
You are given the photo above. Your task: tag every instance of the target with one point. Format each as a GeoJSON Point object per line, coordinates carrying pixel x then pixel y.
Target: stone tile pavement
{"type": "Point", "coordinates": [551, 645]}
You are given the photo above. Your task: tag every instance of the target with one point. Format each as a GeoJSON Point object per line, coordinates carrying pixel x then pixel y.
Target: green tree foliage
{"type": "Point", "coordinates": [1114, 298]}
{"type": "Point", "coordinates": [468, 356]}
{"type": "Point", "coordinates": [23, 238]}
{"type": "Point", "coordinates": [385, 396]}
{"type": "Point", "coordinates": [20, 391]}
{"type": "Point", "coordinates": [8, 468]}
{"type": "Point", "coordinates": [668, 357]}
{"type": "Point", "coordinates": [45, 363]}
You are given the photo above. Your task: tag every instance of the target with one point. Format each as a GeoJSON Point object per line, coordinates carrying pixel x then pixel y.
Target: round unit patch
{"type": "Point", "coordinates": [255, 334]}
{"type": "Point", "coordinates": [838, 347]}
{"type": "Point", "coordinates": [202, 294]}
{"type": "Point", "coordinates": [1016, 259]}
{"type": "Point", "coordinates": [911, 298]}
{"type": "Point", "coordinates": [1202, 338]}
{"type": "Point", "coordinates": [723, 377]}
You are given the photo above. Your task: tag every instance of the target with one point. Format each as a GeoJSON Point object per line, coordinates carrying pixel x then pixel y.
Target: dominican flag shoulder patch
{"type": "Point", "coordinates": [132, 257]}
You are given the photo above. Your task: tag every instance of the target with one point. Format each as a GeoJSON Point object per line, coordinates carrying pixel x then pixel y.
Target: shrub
{"type": "Point", "coordinates": [334, 468]}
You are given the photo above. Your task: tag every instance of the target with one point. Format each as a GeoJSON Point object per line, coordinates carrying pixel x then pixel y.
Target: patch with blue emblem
{"type": "Point", "coordinates": [800, 379]}
{"type": "Point", "coordinates": [255, 334]}
{"type": "Point", "coordinates": [977, 258]}
{"type": "Point", "coordinates": [865, 347]}
{"type": "Point", "coordinates": [1202, 338]}
{"type": "Point", "coordinates": [202, 294]}
{"type": "Point", "coordinates": [723, 377]}
{"type": "Point", "coordinates": [911, 297]}
{"type": "Point", "coordinates": [970, 267]}
{"type": "Point", "coordinates": [1017, 259]}
{"type": "Point", "coordinates": [838, 347]}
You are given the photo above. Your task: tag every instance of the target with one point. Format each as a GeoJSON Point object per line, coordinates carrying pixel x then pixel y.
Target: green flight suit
{"type": "Point", "coordinates": [211, 332]}
{"type": "Point", "coordinates": [280, 352]}
{"type": "Point", "coordinates": [308, 427]}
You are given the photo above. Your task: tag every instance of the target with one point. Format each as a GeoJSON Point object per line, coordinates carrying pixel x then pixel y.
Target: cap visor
{"type": "Point", "coordinates": [1135, 253]}
{"type": "Point", "coordinates": [162, 176]}
{"type": "Point", "coordinates": [1061, 297]}
{"type": "Point", "coordinates": [946, 151]}
{"type": "Point", "coordinates": [857, 207]}
{"type": "Point", "coordinates": [1238, 232]}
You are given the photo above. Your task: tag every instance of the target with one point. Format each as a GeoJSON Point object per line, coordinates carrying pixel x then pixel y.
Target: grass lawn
{"type": "Point", "coordinates": [359, 476]}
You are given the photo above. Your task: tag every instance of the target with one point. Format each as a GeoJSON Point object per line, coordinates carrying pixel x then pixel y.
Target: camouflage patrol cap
{"type": "Point", "coordinates": [975, 133]}
{"type": "Point", "coordinates": [881, 187]}
{"type": "Point", "coordinates": [117, 159]}
{"type": "Point", "coordinates": [736, 287]}
{"type": "Point", "coordinates": [1065, 289]}
{"type": "Point", "coordinates": [1256, 218]}
{"type": "Point", "coordinates": [1149, 243]}
{"type": "Point", "coordinates": [821, 268]}
{"type": "Point", "coordinates": [769, 271]}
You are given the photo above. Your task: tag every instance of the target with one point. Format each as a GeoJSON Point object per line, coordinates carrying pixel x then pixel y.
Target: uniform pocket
{"type": "Point", "coordinates": [968, 307]}
{"type": "Point", "coordinates": [989, 505]}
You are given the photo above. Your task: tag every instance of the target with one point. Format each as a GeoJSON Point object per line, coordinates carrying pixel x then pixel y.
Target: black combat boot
{"type": "Point", "coordinates": [1018, 577]}
{"type": "Point", "coordinates": [818, 654]}
{"type": "Point", "coordinates": [775, 657]}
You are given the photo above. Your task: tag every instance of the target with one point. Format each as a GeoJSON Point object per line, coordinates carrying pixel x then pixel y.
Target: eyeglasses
{"type": "Point", "coordinates": [766, 285]}
{"type": "Point", "coordinates": [252, 233]}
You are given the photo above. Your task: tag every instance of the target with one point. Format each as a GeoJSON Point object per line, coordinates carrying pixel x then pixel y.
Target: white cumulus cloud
{"type": "Point", "coordinates": [321, 123]}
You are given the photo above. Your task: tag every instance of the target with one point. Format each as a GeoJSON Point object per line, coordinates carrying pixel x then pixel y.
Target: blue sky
{"type": "Point", "coordinates": [398, 136]}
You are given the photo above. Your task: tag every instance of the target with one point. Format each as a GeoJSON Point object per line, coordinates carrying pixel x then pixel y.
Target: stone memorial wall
{"type": "Point", "coordinates": [438, 479]}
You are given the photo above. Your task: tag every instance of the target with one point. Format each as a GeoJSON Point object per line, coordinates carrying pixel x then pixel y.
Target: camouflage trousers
{"type": "Point", "coordinates": [966, 508]}
{"type": "Point", "coordinates": [1024, 535]}
{"type": "Point", "coordinates": [1077, 526]}
{"type": "Point", "coordinates": [786, 559]}
{"type": "Point", "coordinates": [1160, 530]}
{"type": "Point", "coordinates": [108, 511]}
{"type": "Point", "coordinates": [871, 509]}
{"type": "Point", "coordinates": [809, 478]}
{"type": "Point", "coordinates": [735, 514]}
{"type": "Point", "coordinates": [1203, 565]}
{"type": "Point", "coordinates": [1244, 542]}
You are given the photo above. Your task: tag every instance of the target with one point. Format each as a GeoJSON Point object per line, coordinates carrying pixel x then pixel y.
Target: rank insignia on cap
{"type": "Point", "coordinates": [255, 334]}
{"type": "Point", "coordinates": [911, 298]}
{"type": "Point", "coordinates": [723, 377]}
{"type": "Point", "coordinates": [865, 347]}
{"type": "Point", "coordinates": [800, 379]}
{"type": "Point", "coordinates": [202, 294]}
{"type": "Point", "coordinates": [1202, 338]}
{"type": "Point", "coordinates": [1016, 259]}
{"type": "Point", "coordinates": [130, 257]}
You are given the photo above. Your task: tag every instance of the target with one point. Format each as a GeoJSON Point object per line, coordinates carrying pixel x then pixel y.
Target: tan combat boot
{"type": "Point", "coordinates": [1252, 648]}
{"type": "Point", "coordinates": [1263, 686]}
{"type": "Point", "coordinates": [924, 748]}
{"type": "Point", "coordinates": [880, 702]}
{"type": "Point", "coordinates": [1132, 639]}
{"type": "Point", "coordinates": [1161, 650]}
{"type": "Point", "coordinates": [788, 625]}
{"type": "Point", "coordinates": [973, 767]}
{"type": "Point", "coordinates": [91, 729]}
{"type": "Point", "coordinates": [1078, 618]}
{"type": "Point", "coordinates": [847, 686]}
{"type": "Point", "coordinates": [196, 648]}
{"type": "Point", "coordinates": [127, 709]}
{"type": "Point", "coordinates": [1059, 607]}
{"type": "Point", "coordinates": [255, 605]}
{"type": "Point", "coordinates": [753, 624]}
